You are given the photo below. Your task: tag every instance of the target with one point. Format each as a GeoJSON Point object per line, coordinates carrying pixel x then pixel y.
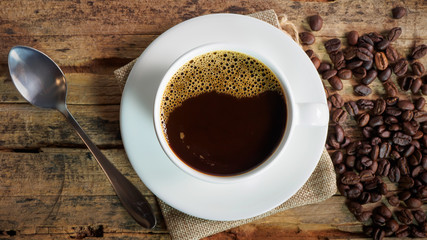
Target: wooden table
{"type": "Point", "coordinates": [50, 185]}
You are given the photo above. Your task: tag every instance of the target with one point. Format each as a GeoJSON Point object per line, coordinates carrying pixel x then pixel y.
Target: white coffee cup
{"type": "Point", "coordinates": [310, 114]}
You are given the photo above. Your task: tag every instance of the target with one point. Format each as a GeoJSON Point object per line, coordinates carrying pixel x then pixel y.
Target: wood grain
{"type": "Point", "coordinates": [50, 185]}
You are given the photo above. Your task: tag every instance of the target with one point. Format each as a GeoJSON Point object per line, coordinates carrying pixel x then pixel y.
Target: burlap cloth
{"type": "Point", "coordinates": [320, 186]}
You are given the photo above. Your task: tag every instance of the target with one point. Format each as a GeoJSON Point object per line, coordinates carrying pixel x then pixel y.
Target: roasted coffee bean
{"type": "Point", "coordinates": [409, 151]}
{"type": "Point", "coordinates": [340, 169]}
{"type": "Point", "coordinates": [351, 108]}
{"type": "Point", "coordinates": [316, 62]}
{"type": "Point", "coordinates": [415, 159]}
{"type": "Point", "coordinates": [353, 193]}
{"type": "Point", "coordinates": [419, 215]}
{"type": "Point", "coordinates": [405, 195]}
{"type": "Point", "coordinates": [418, 135]}
{"type": "Point", "coordinates": [407, 115]}
{"type": "Point", "coordinates": [365, 104]}
{"type": "Point", "coordinates": [414, 232]}
{"type": "Point", "coordinates": [420, 116]}
{"type": "Point", "coordinates": [365, 39]}
{"type": "Point", "coordinates": [315, 22]}
{"type": "Point", "coordinates": [400, 67]}
{"type": "Point", "coordinates": [345, 74]}
{"type": "Point", "coordinates": [424, 162]}
{"type": "Point", "coordinates": [405, 216]}
{"type": "Point", "coordinates": [418, 68]}
{"type": "Point", "coordinates": [354, 207]}
{"type": "Point", "coordinates": [406, 182]}
{"type": "Point", "coordinates": [401, 139]}
{"type": "Point", "coordinates": [370, 77]}
{"type": "Point", "coordinates": [379, 107]}
{"type": "Point", "coordinates": [364, 54]}
{"type": "Point", "coordinates": [336, 56]}
{"type": "Point", "coordinates": [383, 167]}
{"type": "Point", "coordinates": [336, 100]}
{"type": "Point", "coordinates": [365, 149]}
{"type": "Point", "coordinates": [419, 51]}
{"type": "Point", "coordinates": [310, 53]}
{"type": "Point", "coordinates": [385, 74]}
{"type": "Point", "coordinates": [392, 54]}
{"type": "Point", "coordinates": [332, 45]}
{"type": "Point", "coordinates": [329, 73]}
{"type": "Point", "coordinates": [323, 67]}
{"type": "Point", "coordinates": [410, 128]}
{"type": "Point", "coordinates": [424, 89]}
{"type": "Point", "coordinates": [417, 171]}
{"type": "Point", "coordinates": [420, 103]}
{"type": "Point", "coordinates": [366, 175]}
{"type": "Point", "coordinates": [413, 203]}
{"type": "Point", "coordinates": [375, 37]}
{"type": "Point", "coordinates": [368, 64]}
{"type": "Point", "coordinates": [392, 225]}
{"type": "Point", "coordinates": [383, 210]}
{"type": "Point", "coordinates": [333, 143]}
{"type": "Point", "coordinates": [393, 201]}
{"type": "Point", "coordinates": [339, 116]}
{"type": "Point", "coordinates": [362, 90]}
{"type": "Point", "coordinates": [346, 142]}
{"type": "Point", "coordinates": [363, 119]}
{"type": "Point", "coordinates": [339, 65]}
{"type": "Point", "coordinates": [416, 85]}
{"type": "Point", "coordinates": [359, 72]}
{"type": "Point", "coordinates": [355, 64]}
{"type": "Point", "coordinates": [391, 101]}
{"type": "Point", "coordinates": [403, 231]}
{"type": "Point", "coordinates": [337, 157]}
{"type": "Point", "coordinates": [352, 148]}
{"type": "Point", "coordinates": [383, 44]}
{"type": "Point", "coordinates": [335, 82]}
{"type": "Point", "coordinates": [375, 152]}
{"type": "Point", "coordinates": [398, 12]}
{"type": "Point", "coordinates": [375, 197]}
{"type": "Point", "coordinates": [306, 38]}
{"type": "Point", "coordinates": [376, 121]}
{"type": "Point", "coordinates": [375, 141]}
{"type": "Point", "coordinates": [381, 61]}
{"type": "Point", "coordinates": [350, 161]}
{"type": "Point", "coordinates": [402, 164]}
{"type": "Point", "coordinates": [394, 34]}
{"type": "Point", "coordinates": [352, 37]}
{"type": "Point", "coordinates": [405, 105]}
{"type": "Point", "coordinates": [394, 127]}
{"type": "Point", "coordinates": [364, 216]}
{"type": "Point", "coordinates": [339, 133]}
{"type": "Point", "coordinates": [367, 132]}
{"type": "Point", "coordinates": [394, 174]}
{"type": "Point", "coordinates": [393, 111]}
{"type": "Point", "coordinates": [349, 53]}
{"type": "Point", "coordinates": [367, 46]}
{"type": "Point", "coordinates": [385, 150]}
{"type": "Point", "coordinates": [390, 89]}
{"type": "Point", "coordinates": [368, 230]}
{"type": "Point", "coordinates": [405, 83]}
{"type": "Point", "coordinates": [378, 220]}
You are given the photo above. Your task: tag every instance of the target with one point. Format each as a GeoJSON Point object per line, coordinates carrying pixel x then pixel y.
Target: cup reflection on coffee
{"type": "Point", "coordinates": [221, 113]}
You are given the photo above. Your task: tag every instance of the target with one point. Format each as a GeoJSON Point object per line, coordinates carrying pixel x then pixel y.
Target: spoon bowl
{"type": "Point", "coordinates": [42, 83]}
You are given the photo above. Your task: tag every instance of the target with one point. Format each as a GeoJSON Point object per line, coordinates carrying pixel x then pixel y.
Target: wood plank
{"type": "Point", "coordinates": [154, 17]}
{"type": "Point", "coordinates": [83, 88]}
{"type": "Point", "coordinates": [31, 127]}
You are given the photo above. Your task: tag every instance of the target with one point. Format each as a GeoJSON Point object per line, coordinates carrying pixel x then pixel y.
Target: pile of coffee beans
{"type": "Point", "coordinates": [392, 143]}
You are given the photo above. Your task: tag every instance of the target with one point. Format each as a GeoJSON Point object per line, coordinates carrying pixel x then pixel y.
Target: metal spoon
{"type": "Point", "coordinates": [42, 83]}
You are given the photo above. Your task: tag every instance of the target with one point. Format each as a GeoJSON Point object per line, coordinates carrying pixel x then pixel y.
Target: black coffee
{"type": "Point", "coordinates": [223, 113]}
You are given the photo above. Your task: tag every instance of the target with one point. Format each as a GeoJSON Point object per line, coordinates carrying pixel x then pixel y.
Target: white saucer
{"type": "Point", "coordinates": [210, 200]}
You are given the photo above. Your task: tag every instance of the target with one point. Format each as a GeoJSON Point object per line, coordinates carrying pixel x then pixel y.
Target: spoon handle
{"type": "Point", "coordinates": [131, 198]}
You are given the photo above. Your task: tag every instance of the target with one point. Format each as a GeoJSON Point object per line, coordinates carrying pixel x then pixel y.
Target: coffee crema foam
{"type": "Point", "coordinates": [223, 71]}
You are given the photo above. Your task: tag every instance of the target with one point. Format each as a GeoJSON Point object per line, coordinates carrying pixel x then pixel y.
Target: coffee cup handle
{"type": "Point", "coordinates": [312, 114]}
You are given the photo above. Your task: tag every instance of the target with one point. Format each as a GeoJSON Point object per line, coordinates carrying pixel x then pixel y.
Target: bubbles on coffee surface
{"type": "Point", "coordinates": [223, 71]}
